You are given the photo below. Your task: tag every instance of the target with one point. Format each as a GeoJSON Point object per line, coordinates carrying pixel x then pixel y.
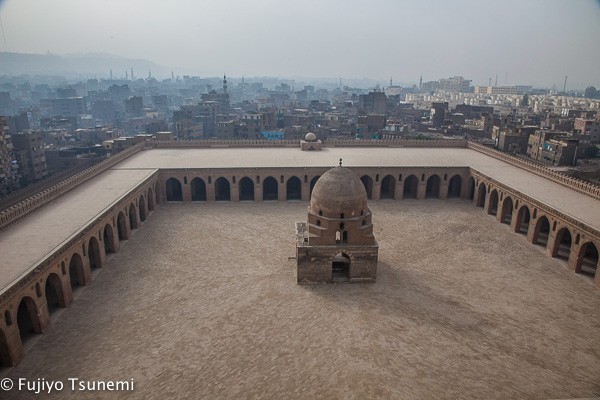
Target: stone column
{"type": "Point", "coordinates": [235, 193]}
{"type": "Point", "coordinates": [305, 191]}
{"type": "Point", "coordinates": [210, 191]}
{"type": "Point", "coordinates": [443, 190]}
{"type": "Point", "coordinates": [186, 192]}
{"type": "Point", "coordinates": [282, 191]}
{"type": "Point", "coordinates": [399, 190]}
{"type": "Point", "coordinates": [258, 193]}
{"type": "Point", "coordinates": [422, 190]}
{"type": "Point", "coordinates": [376, 191]}
{"type": "Point", "coordinates": [14, 344]}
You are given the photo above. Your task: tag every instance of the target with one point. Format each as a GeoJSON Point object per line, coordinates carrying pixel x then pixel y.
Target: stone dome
{"type": "Point", "coordinates": [339, 191]}
{"type": "Point", "coordinates": [310, 137]}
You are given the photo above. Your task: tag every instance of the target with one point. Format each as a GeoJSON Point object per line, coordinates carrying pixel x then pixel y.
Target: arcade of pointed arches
{"type": "Point", "coordinates": [27, 308]}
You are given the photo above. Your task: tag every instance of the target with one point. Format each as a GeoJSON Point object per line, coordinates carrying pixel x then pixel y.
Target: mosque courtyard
{"type": "Point", "coordinates": [202, 302]}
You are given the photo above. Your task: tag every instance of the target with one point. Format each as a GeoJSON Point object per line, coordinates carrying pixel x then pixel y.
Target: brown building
{"type": "Point", "coordinates": [591, 127]}
{"type": "Point", "coordinates": [514, 139]}
{"type": "Point", "coordinates": [551, 147]}
{"type": "Point", "coordinates": [337, 244]}
{"type": "Point", "coordinates": [30, 153]}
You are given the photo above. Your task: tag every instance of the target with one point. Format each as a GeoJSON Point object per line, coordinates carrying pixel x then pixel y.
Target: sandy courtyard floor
{"type": "Point", "coordinates": [202, 302]}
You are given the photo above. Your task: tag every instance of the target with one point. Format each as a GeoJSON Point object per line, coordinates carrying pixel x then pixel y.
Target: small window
{"type": "Point", "coordinates": [38, 290]}
{"type": "Point", "coordinates": [377, 178]}
{"type": "Point", "coordinates": [257, 179]}
{"type": "Point", "coordinates": [345, 236]}
{"type": "Point", "coordinates": [338, 236]}
{"type": "Point", "coordinates": [577, 238]}
{"type": "Point", "coordinates": [364, 222]}
{"type": "Point", "coordinates": [342, 226]}
{"type": "Point", "coordinates": [422, 177]}
{"type": "Point", "coordinates": [7, 318]}
{"type": "Point", "coordinates": [400, 177]}
{"type": "Point", "coordinates": [554, 226]}
{"type": "Point", "coordinates": [209, 180]}
{"type": "Point", "coordinates": [233, 179]}
{"type": "Point", "coordinates": [320, 213]}
{"type": "Point", "coordinates": [534, 213]}
{"type": "Point", "coordinates": [318, 222]}
{"type": "Point", "coordinates": [282, 179]}
{"type": "Point", "coordinates": [62, 268]}
{"type": "Point", "coordinates": [445, 176]}
{"type": "Point", "coordinates": [185, 180]}
{"type": "Point", "coordinates": [305, 178]}
{"type": "Point", "coordinates": [342, 216]}
{"type": "Point", "coordinates": [362, 212]}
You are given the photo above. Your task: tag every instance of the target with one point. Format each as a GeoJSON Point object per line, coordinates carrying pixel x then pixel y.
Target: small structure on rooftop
{"type": "Point", "coordinates": [310, 142]}
{"type": "Point", "coordinates": [336, 243]}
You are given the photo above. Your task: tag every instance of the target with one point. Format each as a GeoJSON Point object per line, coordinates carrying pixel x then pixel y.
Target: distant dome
{"type": "Point", "coordinates": [310, 137]}
{"type": "Point", "coordinates": [339, 191]}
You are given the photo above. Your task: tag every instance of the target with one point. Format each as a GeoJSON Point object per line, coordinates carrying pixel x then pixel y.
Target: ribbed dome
{"type": "Point", "coordinates": [310, 137]}
{"type": "Point", "coordinates": [338, 191]}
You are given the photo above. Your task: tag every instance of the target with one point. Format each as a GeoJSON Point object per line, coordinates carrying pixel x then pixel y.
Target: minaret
{"type": "Point", "coordinates": [149, 74]}
{"type": "Point", "coordinates": [131, 73]}
{"type": "Point", "coordinates": [421, 83]}
{"type": "Point", "coordinates": [126, 77]}
{"type": "Point", "coordinates": [224, 83]}
{"type": "Point", "coordinates": [111, 74]}
{"type": "Point", "coordinates": [172, 76]}
{"type": "Point", "coordinates": [391, 84]}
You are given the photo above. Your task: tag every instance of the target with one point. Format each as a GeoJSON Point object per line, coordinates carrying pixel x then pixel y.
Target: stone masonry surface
{"type": "Point", "coordinates": [202, 303]}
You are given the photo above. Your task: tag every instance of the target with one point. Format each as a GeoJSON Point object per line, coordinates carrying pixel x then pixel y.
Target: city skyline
{"type": "Point", "coordinates": [535, 43]}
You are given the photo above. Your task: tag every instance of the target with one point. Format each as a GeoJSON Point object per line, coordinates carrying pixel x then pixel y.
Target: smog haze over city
{"type": "Point", "coordinates": [533, 43]}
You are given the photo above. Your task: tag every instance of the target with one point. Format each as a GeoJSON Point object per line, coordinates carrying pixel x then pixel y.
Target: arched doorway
{"type": "Point", "coordinates": [122, 226]}
{"type": "Point", "coordinates": [411, 185]}
{"type": "Point", "coordinates": [222, 190]}
{"type": "Point", "coordinates": [587, 262]}
{"type": "Point", "coordinates": [507, 211]}
{"type": "Point", "coordinates": [173, 190]}
{"type": "Point", "coordinates": [542, 231]}
{"type": "Point", "coordinates": [293, 189]}
{"type": "Point", "coordinates": [198, 188]}
{"type": "Point", "coordinates": [55, 298]}
{"type": "Point", "coordinates": [481, 195]}
{"type": "Point", "coordinates": [94, 253]}
{"type": "Point", "coordinates": [133, 217]}
{"type": "Point", "coordinates": [340, 268]}
{"type": "Point", "coordinates": [313, 182]}
{"type": "Point", "coordinates": [523, 218]}
{"type": "Point", "coordinates": [368, 183]}
{"type": "Point", "coordinates": [27, 319]}
{"type": "Point", "coordinates": [5, 360]}
{"type": "Point", "coordinates": [246, 189]}
{"type": "Point", "coordinates": [108, 238]}
{"type": "Point", "coordinates": [454, 186]}
{"type": "Point", "coordinates": [76, 276]}
{"type": "Point", "coordinates": [471, 188]}
{"type": "Point", "coordinates": [388, 187]}
{"type": "Point", "coordinates": [432, 191]}
{"type": "Point", "coordinates": [270, 188]}
{"type": "Point", "coordinates": [151, 203]}
{"type": "Point", "coordinates": [142, 206]}
{"type": "Point", "coordinates": [562, 245]}
{"type": "Point", "coordinates": [493, 205]}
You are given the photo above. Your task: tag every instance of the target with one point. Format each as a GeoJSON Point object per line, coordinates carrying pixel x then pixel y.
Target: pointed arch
{"type": "Point", "coordinates": [142, 207]}
{"type": "Point", "coordinates": [198, 189]}
{"type": "Point", "coordinates": [368, 183]}
{"type": "Point", "coordinates": [523, 219]}
{"type": "Point", "coordinates": [562, 244]}
{"type": "Point", "coordinates": [55, 297]}
{"type": "Point", "coordinates": [541, 231]}
{"type": "Point", "coordinates": [587, 260]}
{"type": "Point", "coordinates": [94, 255]}
{"type": "Point", "coordinates": [388, 187]}
{"type": "Point", "coordinates": [122, 230]}
{"type": "Point", "coordinates": [108, 238]}
{"type": "Point", "coordinates": [246, 189]}
{"type": "Point", "coordinates": [411, 185]}
{"type": "Point", "coordinates": [507, 210]}
{"type": "Point", "coordinates": [455, 186]}
{"type": "Point", "coordinates": [481, 195]}
{"type": "Point", "coordinates": [222, 189]}
{"type": "Point", "coordinates": [493, 203]}
{"type": "Point", "coordinates": [293, 188]}
{"type": "Point", "coordinates": [173, 190]}
{"type": "Point", "coordinates": [432, 190]}
{"type": "Point", "coordinates": [28, 319]}
{"type": "Point", "coordinates": [270, 188]}
{"type": "Point", "coordinates": [133, 217]}
{"type": "Point", "coordinates": [76, 274]}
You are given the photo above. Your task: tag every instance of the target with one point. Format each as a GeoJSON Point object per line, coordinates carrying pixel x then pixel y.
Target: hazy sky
{"type": "Point", "coordinates": [529, 41]}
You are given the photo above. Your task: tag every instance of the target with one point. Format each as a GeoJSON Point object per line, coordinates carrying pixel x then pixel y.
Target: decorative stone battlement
{"type": "Point", "coordinates": [578, 185]}
{"type": "Point", "coordinates": [20, 210]}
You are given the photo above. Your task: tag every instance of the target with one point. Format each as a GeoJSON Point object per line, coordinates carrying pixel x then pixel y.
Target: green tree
{"type": "Point", "coordinates": [590, 92]}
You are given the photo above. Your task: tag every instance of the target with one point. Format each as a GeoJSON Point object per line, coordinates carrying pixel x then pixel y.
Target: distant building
{"type": "Point", "coordinates": [589, 127]}
{"type": "Point", "coordinates": [373, 103]}
{"type": "Point", "coordinates": [134, 106]}
{"type": "Point", "coordinates": [68, 107]}
{"type": "Point", "coordinates": [30, 154]}
{"type": "Point", "coordinates": [515, 139]}
{"type": "Point", "coordinates": [494, 90]}
{"type": "Point", "coordinates": [438, 113]}
{"type": "Point", "coordinates": [552, 147]}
